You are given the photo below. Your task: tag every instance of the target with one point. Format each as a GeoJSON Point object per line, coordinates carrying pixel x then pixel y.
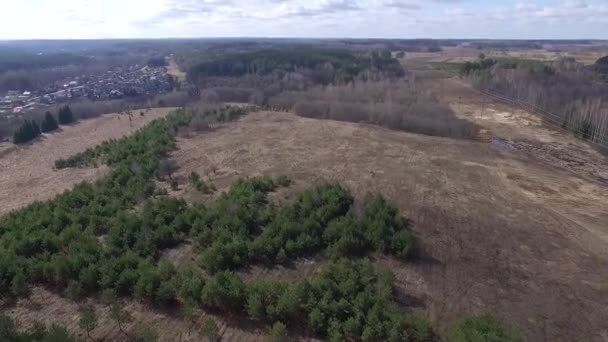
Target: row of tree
{"type": "Point", "coordinates": [29, 129]}
{"type": "Point", "coordinates": [564, 91]}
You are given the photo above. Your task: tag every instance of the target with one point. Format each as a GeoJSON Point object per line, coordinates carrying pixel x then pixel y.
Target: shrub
{"type": "Point", "coordinates": [283, 181]}
{"type": "Point", "coordinates": [224, 291]}
{"type": "Point", "coordinates": [384, 229]}
{"type": "Point", "coordinates": [88, 320]}
{"type": "Point", "coordinates": [210, 330]}
{"type": "Point", "coordinates": [147, 335]}
{"type": "Point", "coordinates": [481, 329]}
{"type": "Point", "coordinates": [199, 184]}
{"type": "Point", "coordinates": [278, 332]}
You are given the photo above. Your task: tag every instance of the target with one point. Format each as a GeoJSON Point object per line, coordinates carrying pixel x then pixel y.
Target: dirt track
{"type": "Point", "coordinates": [27, 172]}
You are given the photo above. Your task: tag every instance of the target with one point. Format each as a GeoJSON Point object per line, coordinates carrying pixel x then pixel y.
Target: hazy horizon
{"type": "Point", "coordinates": [405, 19]}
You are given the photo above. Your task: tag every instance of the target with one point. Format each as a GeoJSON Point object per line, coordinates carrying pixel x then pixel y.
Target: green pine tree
{"type": "Point", "coordinates": [35, 129]}
{"type": "Point", "coordinates": [65, 115]}
{"type": "Point", "coordinates": [49, 123]}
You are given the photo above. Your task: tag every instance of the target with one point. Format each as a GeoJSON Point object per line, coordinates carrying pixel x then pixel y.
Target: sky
{"type": "Point", "coordinates": [499, 19]}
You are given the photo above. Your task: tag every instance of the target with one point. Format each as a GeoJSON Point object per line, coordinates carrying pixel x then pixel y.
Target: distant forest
{"type": "Point", "coordinates": [331, 64]}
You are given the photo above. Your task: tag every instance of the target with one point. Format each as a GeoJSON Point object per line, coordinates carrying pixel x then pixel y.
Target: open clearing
{"type": "Point", "coordinates": [508, 226]}
{"type": "Point", "coordinates": [517, 232]}
{"type": "Point", "coordinates": [27, 171]}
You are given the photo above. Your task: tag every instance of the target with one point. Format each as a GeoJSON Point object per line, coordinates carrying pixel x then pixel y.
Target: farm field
{"type": "Point", "coordinates": [32, 165]}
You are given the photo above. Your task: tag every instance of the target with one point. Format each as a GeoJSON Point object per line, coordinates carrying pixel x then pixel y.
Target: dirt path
{"type": "Point", "coordinates": [27, 172]}
{"type": "Point", "coordinates": [174, 70]}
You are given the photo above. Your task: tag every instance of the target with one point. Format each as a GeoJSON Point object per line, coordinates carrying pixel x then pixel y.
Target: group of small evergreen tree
{"type": "Point", "coordinates": [346, 301]}
{"type": "Point", "coordinates": [55, 242]}
{"type": "Point", "coordinates": [30, 129]}
{"type": "Point", "coordinates": [49, 123]}
{"type": "Point", "coordinates": [65, 115]}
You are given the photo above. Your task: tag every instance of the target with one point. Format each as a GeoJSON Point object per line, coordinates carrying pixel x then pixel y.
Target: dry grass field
{"type": "Point", "coordinates": [31, 166]}
{"type": "Point", "coordinates": [515, 225]}
{"type": "Point", "coordinates": [425, 60]}
{"type": "Point", "coordinates": [512, 226]}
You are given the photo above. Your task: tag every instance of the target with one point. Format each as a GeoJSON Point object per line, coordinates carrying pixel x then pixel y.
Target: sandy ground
{"type": "Point", "coordinates": [507, 225]}
{"type": "Point", "coordinates": [174, 70]}
{"type": "Point", "coordinates": [31, 166]}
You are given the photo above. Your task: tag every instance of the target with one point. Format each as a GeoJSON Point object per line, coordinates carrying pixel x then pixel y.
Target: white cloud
{"type": "Point", "coordinates": [298, 18]}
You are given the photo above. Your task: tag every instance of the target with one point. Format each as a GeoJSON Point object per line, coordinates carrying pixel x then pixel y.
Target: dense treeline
{"type": "Point", "coordinates": [15, 60]}
{"type": "Point", "coordinates": [157, 62]}
{"type": "Point", "coordinates": [394, 104]}
{"type": "Point", "coordinates": [29, 130]}
{"type": "Point", "coordinates": [565, 90]}
{"type": "Point", "coordinates": [485, 64]}
{"type": "Point", "coordinates": [333, 65]}
{"type": "Point", "coordinates": [25, 71]}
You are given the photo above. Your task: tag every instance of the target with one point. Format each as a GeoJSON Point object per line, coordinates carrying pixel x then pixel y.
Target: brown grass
{"type": "Point", "coordinates": [503, 230]}
{"type": "Point", "coordinates": [27, 171]}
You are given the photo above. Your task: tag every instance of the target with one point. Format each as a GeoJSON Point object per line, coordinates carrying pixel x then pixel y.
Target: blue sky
{"type": "Point", "coordinates": [532, 19]}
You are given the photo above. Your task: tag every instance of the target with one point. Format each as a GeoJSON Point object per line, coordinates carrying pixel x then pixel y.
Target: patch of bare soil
{"type": "Point", "coordinates": [174, 70]}
{"type": "Point", "coordinates": [500, 231]}
{"type": "Point", "coordinates": [578, 194]}
{"type": "Point", "coordinates": [300, 269]}
{"type": "Point", "coordinates": [27, 172]}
